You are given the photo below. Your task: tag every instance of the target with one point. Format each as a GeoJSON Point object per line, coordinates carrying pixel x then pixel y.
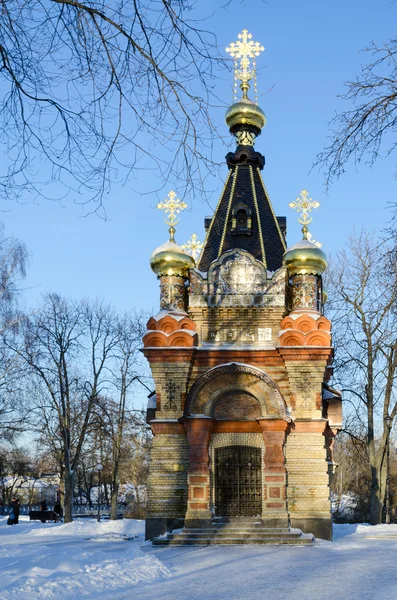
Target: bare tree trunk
{"type": "Point", "coordinates": [115, 492]}
{"type": "Point", "coordinates": [375, 502]}
{"type": "Point", "coordinates": [68, 482]}
{"type": "Point", "coordinates": [68, 498]}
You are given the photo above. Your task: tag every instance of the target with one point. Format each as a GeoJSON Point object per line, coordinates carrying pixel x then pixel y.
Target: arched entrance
{"type": "Point", "coordinates": [236, 392]}
{"type": "Point", "coordinates": [236, 421]}
{"type": "Point", "coordinates": [238, 481]}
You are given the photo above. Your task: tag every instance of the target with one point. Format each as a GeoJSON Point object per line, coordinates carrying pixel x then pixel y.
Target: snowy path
{"type": "Point", "coordinates": [95, 561]}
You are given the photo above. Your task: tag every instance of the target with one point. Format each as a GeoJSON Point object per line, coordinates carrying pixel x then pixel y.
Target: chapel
{"type": "Point", "coordinates": [243, 417]}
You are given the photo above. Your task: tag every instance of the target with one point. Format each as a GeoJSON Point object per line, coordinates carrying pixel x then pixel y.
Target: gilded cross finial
{"type": "Point", "coordinates": [172, 206]}
{"type": "Point", "coordinates": [244, 52]}
{"type": "Point", "coordinates": [304, 205]}
{"type": "Point", "coordinates": [193, 246]}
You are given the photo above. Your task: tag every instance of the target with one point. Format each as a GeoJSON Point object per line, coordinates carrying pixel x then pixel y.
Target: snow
{"type": "Point", "coordinates": [178, 315]}
{"type": "Point", "coordinates": [84, 558]}
{"type": "Point", "coordinates": [111, 561]}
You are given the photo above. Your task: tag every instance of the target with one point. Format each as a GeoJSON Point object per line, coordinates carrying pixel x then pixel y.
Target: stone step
{"type": "Point", "coordinates": [217, 529]}
{"type": "Point", "coordinates": [235, 534]}
{"type": "Point", "coordinates": [244, 535]}
{"type": "Point", "coordinates": [256, 519]}
{"type": "Point", "coordinates": [205, 541]}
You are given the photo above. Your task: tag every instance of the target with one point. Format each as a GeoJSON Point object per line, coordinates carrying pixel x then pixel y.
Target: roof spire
{"type": "Point", "coordinates": [244, 218]}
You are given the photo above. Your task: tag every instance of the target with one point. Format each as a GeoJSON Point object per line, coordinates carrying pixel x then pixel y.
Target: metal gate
{"type": "Point", "coordinates": [238, 481]}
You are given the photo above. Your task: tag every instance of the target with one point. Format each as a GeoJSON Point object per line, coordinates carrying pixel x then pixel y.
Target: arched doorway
{"type": "Point", "coordinates": [238, 481]}
{"type": "Point", "coordinates": [236, 421]}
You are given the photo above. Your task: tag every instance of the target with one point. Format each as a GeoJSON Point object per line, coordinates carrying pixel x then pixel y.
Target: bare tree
{"type": "Point", "coordinates": [370, 123]}
{"type": "Point", "coordinates": [100, 91]}
{"type": "Point", "coordinates": [13, 261]}
{"type": "Point", "coordinates": [363, 279]}
{"type": "Point", "coordinates": [351, 483]}
{"type": "Point", "coordinates": [67, 346]}
{"type": "Point", "coordinates": [15, 464]}
{"type": "Point", "coordinates": [127, 372]}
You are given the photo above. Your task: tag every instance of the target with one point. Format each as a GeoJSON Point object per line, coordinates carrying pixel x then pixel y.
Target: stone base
{"type": "Point", "coordinates": [320, 528]}
{"type": "Point", "coordinates": [155, 527]}
{"type": "Point", "coordinates": [198, 523]}
{"type": "Point", "coordinates": [274, 522]}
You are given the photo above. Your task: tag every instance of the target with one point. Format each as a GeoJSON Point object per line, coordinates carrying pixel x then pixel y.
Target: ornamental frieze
{"type": "Point", "coordinates": [246, 335]}
{"type": "Point", "coordinates": [237, 279]}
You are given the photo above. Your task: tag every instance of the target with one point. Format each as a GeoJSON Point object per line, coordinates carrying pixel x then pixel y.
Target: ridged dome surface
{"type": "Point", "coordinates": [304, 257]}
{"type": "Point", "coordinates": [170, 259]}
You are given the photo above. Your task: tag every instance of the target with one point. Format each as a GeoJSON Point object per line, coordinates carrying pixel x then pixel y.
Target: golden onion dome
{"type": "Point", "coordinates": [245, 112]}
{"type": "Point", "coordinates": [324, 295]}
{"type": "Point", "coordinates": [170, 259]}
{"type": "Point", "coordinates": [304, 258]}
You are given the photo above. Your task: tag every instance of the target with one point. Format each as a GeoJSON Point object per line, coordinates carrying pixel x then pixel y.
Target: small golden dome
{"type": "Point", "coordinates": [325, 295]}
{"type": "Point", "coordinates": [304, 258]}
{"type": "Point", "coordinates": [245, 112]}
{"type": "Point", "coordinates": [170, 259]}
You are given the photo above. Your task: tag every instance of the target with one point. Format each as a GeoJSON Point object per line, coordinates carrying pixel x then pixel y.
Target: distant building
{"type": "Point", "coordinates": [240, 352]}
{"type": "Point", "coordinates": [30, 490]}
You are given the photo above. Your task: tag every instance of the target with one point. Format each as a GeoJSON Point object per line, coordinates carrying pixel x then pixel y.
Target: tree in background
{"type": "Point", "coordinates": [67, 346]}
{"type": "Point", "coordinates": [371, 124]}
{"type": "Point", "coordinates": [81, 361]}
{"type": "Point", "coordinates": [124, 460]}
{"type": "Point", "coordinates": [13, 261]}
{"type": "Point", "coordinates": [135, 471]}
{"type": "Point", "coordinates": [127, 372]}
{"type": "Point", "coordinates": [15, 464]}
{"type": "Point", "coordinates": [363, 281]}
{"type": "Point", "coordinates": [94, 89]}
{"type": "Point", "coordinates": [351, 483]}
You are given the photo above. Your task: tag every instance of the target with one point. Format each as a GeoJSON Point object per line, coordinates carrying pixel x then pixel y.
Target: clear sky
{"type": "Point", "coordinates": [312, 47]}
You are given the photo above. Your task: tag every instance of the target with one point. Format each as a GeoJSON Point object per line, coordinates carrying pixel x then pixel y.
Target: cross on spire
{"type": "Point", "coordinates": [172, 207]}
{"type": "Point", "coordinates": [244, 52]}
{"type": "Point", "coordinates": [193, 246]}
{"type": "Point", "coordinates": [304, 205]}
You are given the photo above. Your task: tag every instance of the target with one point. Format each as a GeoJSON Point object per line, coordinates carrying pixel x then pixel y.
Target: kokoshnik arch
{"type": "Point", "coordinates": [241, 354]}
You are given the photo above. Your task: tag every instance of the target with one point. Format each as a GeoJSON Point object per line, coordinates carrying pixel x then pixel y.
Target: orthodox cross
{"type": "Point", "coordinates": [244, 52]}
{"type": "Point", "coordinates": [170, 389]}
{"type": "Point", "coordinates": [304, 386]}
{"type": "Point", "coordinates": [172, 206]}
{"type": "Point", "coordinates": [193, 246]}
{"type": "Point", "coordinates": [304, 205]}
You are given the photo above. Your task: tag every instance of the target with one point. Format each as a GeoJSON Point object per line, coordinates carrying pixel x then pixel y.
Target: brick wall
{"type": "Point", "coordinates": [167, 482]}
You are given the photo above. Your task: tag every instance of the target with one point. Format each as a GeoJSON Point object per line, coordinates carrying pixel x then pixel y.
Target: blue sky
{"type": "Point", "coordinates": [312, 47]}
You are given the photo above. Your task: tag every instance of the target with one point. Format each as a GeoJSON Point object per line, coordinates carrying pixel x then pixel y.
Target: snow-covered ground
{"type": "Point", "coordinates": [110, 560]}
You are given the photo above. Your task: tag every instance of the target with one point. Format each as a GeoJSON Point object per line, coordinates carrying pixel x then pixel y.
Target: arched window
{"type": "Point", "coordinates": [241, 220]}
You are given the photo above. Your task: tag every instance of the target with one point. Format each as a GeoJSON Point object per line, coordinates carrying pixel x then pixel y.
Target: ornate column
{"type": "Point", "coordinates": [306, 292]}
{"type": "Point", "coordinates": [198, 431]}
{"type": "Point", "coordinates": [274, 505]}
{"type": "Point", "coordinates": [173, 292]}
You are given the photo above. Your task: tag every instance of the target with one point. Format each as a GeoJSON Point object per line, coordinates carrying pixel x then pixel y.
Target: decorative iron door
{"type": "Point", "coordinates": [238, 481]}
